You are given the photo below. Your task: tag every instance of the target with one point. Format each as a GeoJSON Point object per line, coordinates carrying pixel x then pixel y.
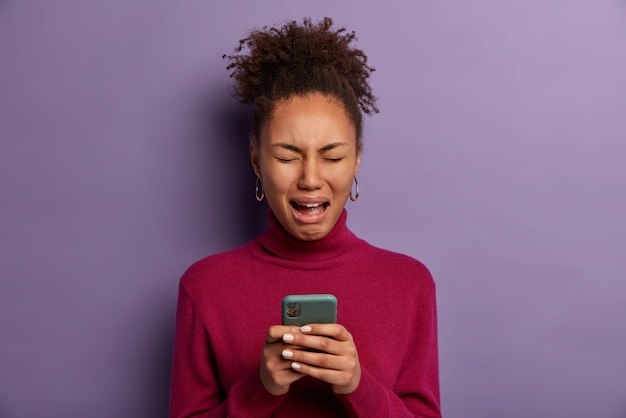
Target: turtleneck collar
{"type": "Point", "coordinates": [279, 242]}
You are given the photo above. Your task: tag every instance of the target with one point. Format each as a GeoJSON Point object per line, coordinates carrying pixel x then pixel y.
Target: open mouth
{"type": "Point", "coordinates": [309, 208]}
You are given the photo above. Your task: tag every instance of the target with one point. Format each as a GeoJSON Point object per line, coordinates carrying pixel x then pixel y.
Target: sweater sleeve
{"type": "Point", "coordinates": [416, 392]}
{"type": "Point", "coordinates": [195, 388]}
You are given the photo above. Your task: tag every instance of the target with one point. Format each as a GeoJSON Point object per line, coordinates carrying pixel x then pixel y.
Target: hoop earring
{"type": "Point", "coordinates": [356, 196]}
{"type": "Point", "coordinates": [256, 188]}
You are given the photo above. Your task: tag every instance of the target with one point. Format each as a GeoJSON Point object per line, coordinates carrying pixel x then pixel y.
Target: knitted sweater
{"type": "Point", "coordinates": [228, 301]}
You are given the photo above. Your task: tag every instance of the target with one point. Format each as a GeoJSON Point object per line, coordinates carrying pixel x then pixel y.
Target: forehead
{"type": "Point", "coordinates": [314, 119]}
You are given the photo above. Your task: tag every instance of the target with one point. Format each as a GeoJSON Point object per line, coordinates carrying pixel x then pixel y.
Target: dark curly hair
{"type": "Point", "coordinates": [277, 63]}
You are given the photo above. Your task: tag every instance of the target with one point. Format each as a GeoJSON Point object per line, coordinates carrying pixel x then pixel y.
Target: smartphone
{"type": "Point", "coordinates": [300, 310]}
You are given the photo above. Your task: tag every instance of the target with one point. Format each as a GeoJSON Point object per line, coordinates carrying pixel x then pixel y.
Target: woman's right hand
{"type": "Point", "coordinates": [276, 372]}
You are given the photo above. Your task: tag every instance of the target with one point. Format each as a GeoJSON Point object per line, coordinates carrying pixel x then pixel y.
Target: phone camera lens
{"type": "Point", "coordinates": [292, 309]}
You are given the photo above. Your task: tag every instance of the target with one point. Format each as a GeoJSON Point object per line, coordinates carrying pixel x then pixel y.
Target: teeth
{"type": "Point", "coordinates": [310, 205]}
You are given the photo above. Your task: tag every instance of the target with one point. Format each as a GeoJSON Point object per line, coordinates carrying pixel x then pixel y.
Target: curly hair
{"type": "Point", "coordinates": [277, 63]}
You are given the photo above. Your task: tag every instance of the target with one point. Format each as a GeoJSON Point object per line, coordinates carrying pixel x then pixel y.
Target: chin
{"type": "Point", "coordinates": [310, 234]}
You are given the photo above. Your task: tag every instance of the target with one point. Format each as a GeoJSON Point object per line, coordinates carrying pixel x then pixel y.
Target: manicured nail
{"type": "Point", "coordinates": [305, 328]}
{"type": "Point", "coordinates": [287, 353]}
{"type": "Point", "coordinates": [295, 366]}
{"type": "Point", "coordinates": [288, 338]}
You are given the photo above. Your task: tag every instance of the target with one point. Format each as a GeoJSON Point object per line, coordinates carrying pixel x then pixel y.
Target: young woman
{"type": "Point", "coordinates": [309, 89]}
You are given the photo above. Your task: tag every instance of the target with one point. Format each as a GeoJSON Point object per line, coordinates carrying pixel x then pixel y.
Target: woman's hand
{"type": "Point", "coordinates": [277, 373]}
{"type": "Point", "coordinates": [337, 359]}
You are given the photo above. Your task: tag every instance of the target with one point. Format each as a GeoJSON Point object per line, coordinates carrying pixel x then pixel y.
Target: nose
{"type": "Point", "coordinates": [311, 178]}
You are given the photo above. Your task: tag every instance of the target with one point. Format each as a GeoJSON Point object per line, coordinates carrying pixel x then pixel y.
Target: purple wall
{"type": "Point", "coordinates": [497, 160]}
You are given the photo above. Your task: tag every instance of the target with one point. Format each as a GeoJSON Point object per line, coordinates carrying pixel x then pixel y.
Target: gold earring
{"type": "Point", "coordinates": [259, 180]}
{"type": "Point", "coordinates": [356, 196]}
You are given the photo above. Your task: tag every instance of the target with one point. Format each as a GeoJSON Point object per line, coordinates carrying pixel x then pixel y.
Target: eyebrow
{"type": "Point", "coordinates": [294, 148]}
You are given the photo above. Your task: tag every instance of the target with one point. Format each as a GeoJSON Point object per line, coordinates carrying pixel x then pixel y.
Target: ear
{"type": "Point", "coordinates": [358, 163]}
{"type": "Point", "coordinates": [254, 156]}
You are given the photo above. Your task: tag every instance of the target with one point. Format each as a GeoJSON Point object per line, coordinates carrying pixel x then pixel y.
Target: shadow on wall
{"type": "Point", "coordinates": [239, 216]}
{"type": "Point", "coordinates": [229, 212]}
{"type": "Point", "coordinates": [159, 365]}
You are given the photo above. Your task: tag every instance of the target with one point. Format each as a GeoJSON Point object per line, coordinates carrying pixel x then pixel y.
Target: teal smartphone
{"type": "Point", "coordinates": [300, 310]}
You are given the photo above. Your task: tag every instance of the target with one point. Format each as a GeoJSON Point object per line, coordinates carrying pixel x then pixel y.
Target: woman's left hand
{"type": "Point", "coordinates": [337, 359]}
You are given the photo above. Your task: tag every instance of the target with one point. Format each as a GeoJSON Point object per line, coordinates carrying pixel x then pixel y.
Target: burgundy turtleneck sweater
{"type": "Point", "coordinates": [227, 302]}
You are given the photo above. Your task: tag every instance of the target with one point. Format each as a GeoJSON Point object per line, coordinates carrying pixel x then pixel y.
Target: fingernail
{"type": "Point", "coordinates": [288, 338]}
{"type": "Point", "coordinates": [305, 328]}
{"type": "Point", "coordinates": [287, 353]}
{"type": "Point", "coordinates": [295, 366]}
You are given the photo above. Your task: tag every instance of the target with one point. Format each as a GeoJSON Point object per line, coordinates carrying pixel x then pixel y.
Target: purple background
{"type": "Point", "coordinates": [497, 159]}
